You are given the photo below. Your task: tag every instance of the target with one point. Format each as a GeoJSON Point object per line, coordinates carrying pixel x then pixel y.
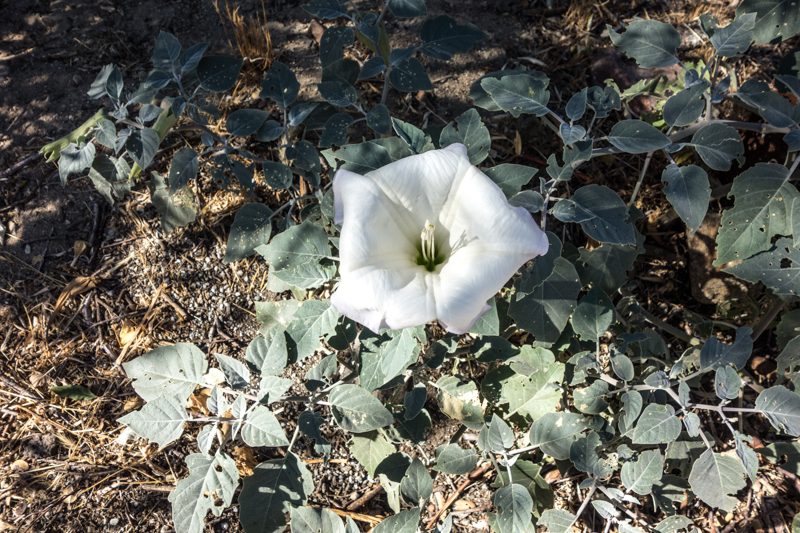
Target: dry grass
{"type": "Point", "coordinates": [251, 35]}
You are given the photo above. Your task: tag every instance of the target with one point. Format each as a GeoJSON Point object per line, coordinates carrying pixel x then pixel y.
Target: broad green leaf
{"type": "Point", "coordinates": [402, 351]}
{"type": "Point", "coordinates": [356, 410]}
{"type": "Point", "coordinates": [218, 74]}
{"type": "Point", "coordinates": [788, 328]}
{"type": "Point", "coordinates": [622, 365]}
{"type": "Point", "coordinates": [417, 483]}
{"type": "Point", "coordinates": [142, 146]}
{"type": "Point", "coordinates": [657, 425]}
{"type": "Point", "coordinates": [541, 268]}
{"type": "Point", "coordinates": [668, 490]}
{"type": "Point", "coordinates": [727, 383]}
{"type": "Point", "coordinates": [363, 157]}
{"type": "Point", "coordinates": [601, 213]}
{"type": "Point", "coordinates": [718, 145]}
{"type": "Point", "coordinates": [167, 371]}
{"type": "Point", "coordinates": [637, 136]}
{"type": "Point", "coordinates": [312, 320]}
{"type": "Point", "coordinates": [244, 122]}
{"type": "Point", "coordinates": [746, 455]}
{"type": "Point", "coordinates": [161, 420]}
{"type": "Point", "coordinates": [182, 170]}
{"type": "Point", "coordinates": [583, 454]}
{"type": "Point", "coordinates": [402, 522]}
{"type": "Point", "coordinates": [533, 201]}
{"type": "Point", "coordinates": [333, 42]}
{"type": "Point", "coordinates": [189, 59]}
{"type": "Point", "coordinates": [688, 191]}
{"type": "Point", "coordinates": [714, 476]}
{"type": "Point", "coordinates": [776, 20]}
{"type": "Point", "coordinates": [166, 51]}
{"type": "Point", "coordinates": [777, 451]}
{"type": "Point", "coordinates": [736, 37]}
{"type": "Point", "coordinates": [386, 356]}
{"type": "Point", "coordinates": [272, 388]}
{"type": "Point", "coordinates": [294, 256]}
{"type": "Point", "coordinates": [251, 228]}
{"type": "Point", "coordinates": [489, 322]}
{"type": "Point", "coordinates": [482, 98]}
{"type": "Point", "coordinates": [778, 268]}
{"type": "Point", "coordinates": [443, 36]}
{"type": "Point", "coordinates": [606, 266]}
{"type": "Point", "coordinates": [651, 43]}
{"type": "Point", "coordinates": [269, 131]}
{"type": "Point", "coordinates": [417, 140]}
{"type": "Point", "coordinates": [603, 100]}
{"type": "Point", "coordinates": [594, 315]}
{"type": "Point", "coordinates": [632, 406]}
{"type": "Point", "coordinates": [686, 106]}
{"type": "Point", "coordinates": [528, 474]}
{"type": "Point", "coordinates": [640, 475]}
{"type": "Point", "coordinates": [511, 178]}
{"type": "Point", "coordinates": [782, 408]}
{"type": "Point", "coordinates": [571, 134]}
{"type": "Point", "coordinates": [515, 506]}
{"type": "Point", "coordinates": [545, 311]}
{"type": "Point", "coordinates": [590, 400]}
{"type": "Point", "coordinates": [337, 93]}
{"type": "Point", "coordinates": [110, 177]}
{"type": "Point", "coordinates": [315, 520]}
{"type": "Point", "coordinates": [412, 430]}
{"type": "Point", "coordinates": [789, 359]}
{"type": "Point", "coordinates": [414, 400]}
{"type": "Point", "coordinates": [715, 354]}
{"type": "Point", "coordinates": [173, 214]}
{"type": "Point", "coordinates": [762, 210]}
{"type": "Point", "coordinates": [534, 396]}
{"type": "Point", "coordinates": [452, 459]}
{"type": "Point", "coordinates": [211, 479]}
{"type": "Point", "coordinates": [73, 392]}
{"type": "Point", "coordinates": [326, 9]}
{"type": "Point", "coordinates": [261, 428]}
{"type": "Point", "coordinates": [554, 433]}
{"type": "Point", "coordinates": [236, 373]}
{"type": "Point", "coordinates": [109, 77]}
{"type": "Point", "coordinates": [276, 315]}
{"type": "Point", "coordinates": [310, 423]}
{"type": "Point", "coordinates": [370, 449]}
{"type": "Point", "coordinates": [557, 521]}
{"type": "Point", "coordinates": [408, 8]}
{"type": "Point", "coordinates": [468, 130]}
{"type": "Point", "coordinates": [276, 487]}
{"type": "Point", "coordinates": [530, 360]}
{"type": "Point", "coordinates": [460, 400]}
{"type": "Point", "coordinates": [489, 348]}
{"type": "Point", "coordinates": [674, 524]}
{"type": "Point", "coordinates": [277, 175]}
{"type": "Point", "coordinates": [496, 437]}
{"type": "Point", "coordinates": [518, 94]}
{"type": "Point", "coordinates": [772, 107]}
{"type": "Point", "coordinates": [379, 119]}
{"type": "Point", "coordinates": [335, 131]}
{"type": "Point", "coordinates": [409, 76]}
{"type": "Point", "coordinates": [280, 85]}
{"type": "Point", "coordinates": [606, 510]}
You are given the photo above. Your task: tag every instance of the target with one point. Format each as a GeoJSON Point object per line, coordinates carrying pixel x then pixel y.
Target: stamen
{"type": "Point", "coordinates": [428, 245]}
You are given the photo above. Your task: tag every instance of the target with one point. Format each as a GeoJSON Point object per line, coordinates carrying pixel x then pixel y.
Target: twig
{"type": "Point", "coordinates": [453, 497]}
{"type": "Point", "coordinates": [586, 501]}
{"type": "Point", "coordinates": [15, 167]}
{"type": "Point", "coordinates": [359, 503]}
{"type": "Point", "coordinates": [764, 323]}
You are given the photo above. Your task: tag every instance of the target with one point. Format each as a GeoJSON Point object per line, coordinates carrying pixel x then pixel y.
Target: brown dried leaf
{"type": "Point", "coordinates": [21, 465]}
{"type": "Point", "coordinates": [463, 505]}
{"type": "Point", "coordinates": [75, 287]}
{"type": "Point", "coordinates": [127, 333]}
{"type": "Point", "coordinates": [245, 460]}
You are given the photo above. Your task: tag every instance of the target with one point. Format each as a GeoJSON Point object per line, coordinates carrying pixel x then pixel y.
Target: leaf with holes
{"type": "Point", "coordinates": [717, 145]}
{"type": "Point", "coordinates": [356, 410]}
{"type": "Point", "coordinates": [640, 475]}
{"type": "Point", "coordinates": [313, 319]}
{"type": "Point", "coordinates": [331, 45]}
{"type": "Point", "coordinates": [211, 479]}
{"type": "Point", "coordinates": [251, 228]}
{"type": "Point", "coordinates": [606, 266]}
{"type": "Point", "coordinates": [167, 371]}
{"type": "Point", "coordinates": [534, 396]}
{"type": "Point", "coordinates": [218, 73]}
{"type": "Point", "coordinates": [583, 454]}
{"type": "Point", "coordinates": [409, 76]}
{"type": "Point", "coordinates": [601, 213]}
{"type": "Point", "coordinates": [736, 37]}
{"type": "Point", "coordinates": [778, 268]}
{"type": "Point", "coordinates": [280, 85]}
{"type": "Point", "coordinates": [468, 130]}
{"type": "Point", "coordinates": [776, 20]}
{"type": "Point", "coordinates": [515, 506]}
{"type": "Point", "coordinates": [594, 315]}
{"type": "Point", "coordinates": [591, 400]}
{"type": "Point", "coordinates": [417, 483]}
{"type": "Point", "coordinates": [518, 94]}
{"type": "Point", "coordinates": [715, 354]}
{"type": "Point", "coordinates": [160, 420]}
{"type": "Point", "coordinates": [651, 43]}
{"type": "Point", "coordinates": [782, 408]}
{"type": "Point", "coordinates": [686, 106]}
{"type": "Point", "coordinates": [554, 433]}
{"type": "Point", "coordinates": [688, 191]}
{"type": "Point", "coordinates": [294, 256]}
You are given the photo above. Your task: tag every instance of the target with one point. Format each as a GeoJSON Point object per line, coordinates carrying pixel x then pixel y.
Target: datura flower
{"type": "Point", "coordinates": [428, 237]}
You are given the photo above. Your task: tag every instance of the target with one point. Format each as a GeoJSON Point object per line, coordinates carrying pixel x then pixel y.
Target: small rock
{"type": "Point", "coordinates": [113, 522]}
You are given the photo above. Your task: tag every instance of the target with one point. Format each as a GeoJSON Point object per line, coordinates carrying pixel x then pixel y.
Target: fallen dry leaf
{"type": "Point", "coordinates": [245, 460]}
{"type": "Point", "coordinates": [75, 287]}
{"type": "Point", "coordinates": [127, 333]}
{"type": "Point", "coordinates": [463, 505]}
{"type": "Point", "coordinates": [19, 464]}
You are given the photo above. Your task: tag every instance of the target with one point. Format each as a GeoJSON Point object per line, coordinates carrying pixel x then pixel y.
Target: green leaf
{"type": "Point", "coordinates": [166, 51]}
{"type": "Point", "coordinates": [632, 406]}
{"type": "Point", "coordinates": [489, 322]}
{"type": "Point", "coordinates": [106, 134]}
{"type": "Point", "coordinates": [583, 454]}
{"type": "Point", "coordinates": [657, 425]}
{"type": "Point", "coordinates": [402, 351]}
{"type": "Point", "coordinates": [469, 131]}
{"type": "Point", "coordinates": [236, 372]}
{"type": "Point", "coordinates": [251, 228]}
{"type": "Point", "coordinates": [276, 314]}
{"type": "Point", "coordinates": [637, 136]}
{"type": "Point", "coordinates": [310, 423]}
{"type": "Point", "coordinates": [772, 107]}
{"type": "Point", "coordinates": [417, 483]}
{"type": "Point", "coordinates": [161, 420]}
{"type": "Point", "coordinates": [554, 433]}
{"type": "Point", "coordinates": [686, 106]}
{"type": "Point", "coordinates": [746, 455]}
{"type": "Point", "coordinates": [669, 490]}
{"type": "Point", "coordinates": [496, 437]}
{"type": "Point", "coordinates": [294, 256]}
{"type": "Point", "coordinates": [534, 396]}
{"type": "Point", "coordinates": [576, 106]}
{"type": "Point", "coordinates": [332, 43]}
{"type": "Point", "coordinates": [409, 76]}
{"type": "Point", "coordinates": [590, 400]}
{"type": "Point", "coordinates": [110, 177]}
{"type": "Point", "coordinates": [313, 319]}
{"type": "Point", "coordinates": [714, 476]}
{"type": "Point", "coordinates": [452, 459]}
{"type": "Point", "coordinates": [736, 37]}
{"type": "Point", "coordinates": [789, 359]}
{"type": "Point", "coordinates": [762, 211]}
{"type": "Point", "coordinates": [557, 521]}
{"type": "Point", "coordinates": [269, 131]}
{"type": "Point", "coordinates": [511, 178]}
{"type": "Point", "coordinates": [363, 157]}
{"type": "Point", "coordinates": [335, 131]}
{"type": "Point", "coordinates": [541, 269]}
{"type": "Point", "coordinates": [167, 371]}
{"type": "Point", "coordinates": [778, 268]}
{"type": "Point", "coordinates": [337, 93]}
{"type": "Point", "coordinates": [210, 480]}
{"type": "Point", "coordinates": [379, 119]}
{"type": "Point", "coordinates": [277, 175]}
{"type": "Point", "coordinates": [459, 400]}
{"type": "Point", "coordinates": [718, 145]}
{"type": "Point", "coordinates": [73, 392]}
{"type": "Point", "coordinates": [173, 215]}
{"type": "Point", "coordinates": [189, 59]}
{"type": "Point", "coordinates": [106, 83]}
{"type": "Point", "coordinates": [414, 400]}
{"type": "Point", "coordinates": [315, 520]}
{"type": "Point", "coordinates": [518, 94]}
{"type": "Point", "coordinates": [533, 201]}
{"type": "Point", "coordinates": [716, 354]}
{"type": "Point", "coordinates": [408, 8]}
{"type": "Point", "coordinates": [788, 328]}
{"type": "Point", "coordinates": [412, 430]}
{"type": "Point", "coordinates": [640, 475]}
{"type": "Point", "coordinates": [482, 98]}
{"type": "Point", "coordinates": [385, 357]}
{"type": "Point", "coordinates": [356, 410]}
{"type": "Point", "coordinates": [275, 488]}
{"type": "Point", "coordinates": [370, 449]}
{"type": "Point", "coordinates": [261, 428]}
{"type": "Point", "coordinates": [402, 522]}
{"type": "Point", "coordinates": [326, 9]}
{"type": "Point", "coordinates": [673, 524]}
{"type": "Point", "coordinates": [280, 85]}
{"type": "Point", "coordinates": [651, 43]}
{"type": "Point", "coordinates": [782, 408]}
{"type": "Point", "coordinates": [515, 507]}
{"type": "Point", "coordinates": [688, 191]}
{"type": "Point", "coordinates": [443, 36]}
{"type": "Point", "coordinates": [601, 213]}
{"type": "Point", "coordinates": [417, 140]}
{"type": "Point", "coordinates": [244, 122]}
{"type": "Point", "coordinates": [530, 360]}
{"type": "Point", "coordinates": [603, 100]}
{"type": "Point", "coordinates": [594, 315]}
{"type": "Point", "coordinates": [142, 146]}
{"type": "Point", "coordinates": [776, 451]}
{"type": "Point", "coordinates": [218, 74]}
{"type": "Point", "coordinates": [571, 134]}
{"type": "Point", "coordinates": [776, 20]}
{"type": "Point", "coordinates": [546, 310]}
{"type": "Point", "coordinates": [182, 170]}
{"type": "Point", "coordinates": [727, 383]}
{"type": "Point", "coordinates": [271, 389]}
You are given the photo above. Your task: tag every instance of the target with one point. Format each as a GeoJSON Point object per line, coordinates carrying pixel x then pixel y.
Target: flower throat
{"type": "Point", "coordinates": [428, 257]}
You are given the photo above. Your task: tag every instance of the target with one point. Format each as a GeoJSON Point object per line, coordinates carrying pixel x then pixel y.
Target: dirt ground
{"type": "Point", "coordinates": [60, 467]}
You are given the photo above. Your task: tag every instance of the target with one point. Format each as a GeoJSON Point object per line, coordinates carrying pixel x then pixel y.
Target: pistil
{"type": "Point", "coordinates": [428, 245]}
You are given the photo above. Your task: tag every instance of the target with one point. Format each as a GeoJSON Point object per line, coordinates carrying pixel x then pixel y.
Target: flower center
{"type": "Point", "coordinates": [428, 259]}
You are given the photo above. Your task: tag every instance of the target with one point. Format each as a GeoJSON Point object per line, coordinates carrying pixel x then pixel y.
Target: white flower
{"type": "Point", "coordinates": [428, 237]}
{"type": "Point", "coordinates": [214, 376]}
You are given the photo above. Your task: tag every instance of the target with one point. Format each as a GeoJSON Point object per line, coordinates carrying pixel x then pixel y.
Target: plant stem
{"type": "Point", "coordinates": [767, 319]}
{"type": "Point", "coordinates": [383, 12]}
{"type": "Point", "coordinates": [641, 178]}
{"type": "Point", "coordinates": [650, 317]}
{"type": "Point", "coordinates": [385, 85]}
{"type": "Point", "coordinates": [586, 501]}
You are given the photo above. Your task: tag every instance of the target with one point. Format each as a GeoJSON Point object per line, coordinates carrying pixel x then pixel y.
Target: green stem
{"type": "Point", "coordinates": [53, 150]}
